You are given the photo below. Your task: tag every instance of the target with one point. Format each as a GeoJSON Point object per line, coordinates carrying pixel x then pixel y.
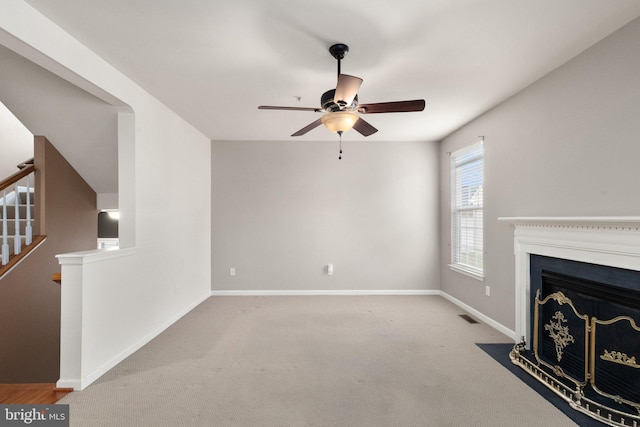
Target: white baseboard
{"type": "Point", "coordinates": [327, 292]}
{"type": "Point", "coordinates": [86, 380]}
{"type": "Point", "coordinates": [485, 319]}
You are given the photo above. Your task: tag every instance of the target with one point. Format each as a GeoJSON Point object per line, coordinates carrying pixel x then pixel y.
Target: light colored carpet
{"type": "Point", "coordinates": [315, 361]}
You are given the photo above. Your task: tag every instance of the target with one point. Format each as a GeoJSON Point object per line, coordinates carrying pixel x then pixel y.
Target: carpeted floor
{"type": "Point", "coordinates": [500, 352]}
{"type": "Point", "coordinates": [315, 361]}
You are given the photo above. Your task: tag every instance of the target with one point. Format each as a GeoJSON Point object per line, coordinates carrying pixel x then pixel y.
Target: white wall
{"type": "Point", "coordinates": [162, 210]}
{"type": "Point", "coordinates": [567, 145]}
{"type": "Point", "coordinates": [283, 210]}
{"type": "Point", "coordinates": [81, 126]}
{"type": "Point", "coordinates": [16, 142]}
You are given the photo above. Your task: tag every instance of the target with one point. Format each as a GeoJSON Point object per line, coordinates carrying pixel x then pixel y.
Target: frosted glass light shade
{"type": "Point", "coordinates": [340, 121]}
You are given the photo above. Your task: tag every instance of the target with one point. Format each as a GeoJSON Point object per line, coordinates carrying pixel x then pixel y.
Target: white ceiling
{"type": "Point", "coordinates": [214, 62]}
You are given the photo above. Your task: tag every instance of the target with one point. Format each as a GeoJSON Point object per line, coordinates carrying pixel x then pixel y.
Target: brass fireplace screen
{"type": "Point", "coordinates": [593, 364]}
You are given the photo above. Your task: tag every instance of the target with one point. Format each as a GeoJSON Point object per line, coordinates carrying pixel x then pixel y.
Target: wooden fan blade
{"type": "Point", "coordinates": [392, 107]}
{"type": "Point", "coordinates": [364, 127]}
{"type": "Point", "coordinates": [271, 107]}
{"type": "Point", "coordinates": [346, 90]}
{"type": "Point", "coordinates": [308, 128]}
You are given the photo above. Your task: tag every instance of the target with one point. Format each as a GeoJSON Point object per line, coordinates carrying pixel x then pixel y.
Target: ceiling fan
{"type": "Point", "coordinates": [340, 105]}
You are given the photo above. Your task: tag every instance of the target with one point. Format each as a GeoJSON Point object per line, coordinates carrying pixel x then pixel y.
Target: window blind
{"type": "Point", "coordinates": [467, 175]}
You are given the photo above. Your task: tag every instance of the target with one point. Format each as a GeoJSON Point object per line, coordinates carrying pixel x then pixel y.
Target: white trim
{"type": "Point", "coordinates": [82, 383]}
{"type": "Point", "coordinates": [484, 318]}
{"type": "Point", "coordinates": [95, 255]}
{"type": "Point", "coordinates": [611, 241]}
{"type": "Point", "coordinates": [466, 271]}
{"type": "Point", "coordinates": [79, 384]}
{"type": "Point", "coordinates": [456, 229]}
{"type": "Point", "coordinates": [322, 292]}
{"type": "Point", "coordinates": [573, 221]}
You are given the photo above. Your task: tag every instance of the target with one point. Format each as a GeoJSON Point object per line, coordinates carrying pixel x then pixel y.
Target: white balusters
{"type": "Point", "coordinates": [28, 230]}
{"type": "Point", "coordinates": [12, 198]}
{"type": "Point", "coordinates": [17, 240]}
{"type": "Point", "coordinates": [5, 239]}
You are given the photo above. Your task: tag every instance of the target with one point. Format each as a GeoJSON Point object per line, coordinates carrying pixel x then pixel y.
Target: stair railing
{"type": "Point", "coordinates": [27, 170]}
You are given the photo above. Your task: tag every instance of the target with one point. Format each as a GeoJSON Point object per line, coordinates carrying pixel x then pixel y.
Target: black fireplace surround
{"type": "Point", "coordinates": [610, 280]}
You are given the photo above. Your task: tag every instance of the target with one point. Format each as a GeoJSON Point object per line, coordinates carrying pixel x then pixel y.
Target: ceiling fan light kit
{"type": "Point", "coordinates": [340, 121]}
{"type": "Point", "coordinates": [340, 105]}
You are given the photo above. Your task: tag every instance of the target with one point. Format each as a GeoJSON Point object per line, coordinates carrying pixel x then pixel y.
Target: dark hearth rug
{"type": "Point", "coordinates": [500, 353]}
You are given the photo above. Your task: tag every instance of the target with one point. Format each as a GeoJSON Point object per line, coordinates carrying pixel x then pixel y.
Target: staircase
{"type": "Point", "coordinates": [17, 216]}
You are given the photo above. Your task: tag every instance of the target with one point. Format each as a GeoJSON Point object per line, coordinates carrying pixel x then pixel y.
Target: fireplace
{"type": "Point", "coordinates": [578, 311]}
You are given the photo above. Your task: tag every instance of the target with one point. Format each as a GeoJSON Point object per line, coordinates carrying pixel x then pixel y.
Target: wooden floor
{"type": "Point", "coordinates": [31, 393]}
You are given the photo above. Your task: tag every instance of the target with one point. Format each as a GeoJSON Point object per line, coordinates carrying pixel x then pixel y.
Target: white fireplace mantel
{"type": "Point", "coordinates": [612, 241]}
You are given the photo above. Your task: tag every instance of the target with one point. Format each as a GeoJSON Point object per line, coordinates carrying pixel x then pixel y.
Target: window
{"type": "Point", "coordinates": [466, 210]}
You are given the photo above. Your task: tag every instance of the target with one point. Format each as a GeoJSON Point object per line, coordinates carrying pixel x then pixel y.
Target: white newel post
{"type": "Point", "coordinates": [28, 230]}
{"type": "Point", "coordinates": [71, 327]}
{"type": "Point", "coordinates": [5, 241]}
{"type": "Point", "coordinates": [17, 241]}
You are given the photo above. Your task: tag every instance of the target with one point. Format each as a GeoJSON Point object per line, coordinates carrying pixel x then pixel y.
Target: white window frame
{"type": "Point", "coordinates": [470, 236]}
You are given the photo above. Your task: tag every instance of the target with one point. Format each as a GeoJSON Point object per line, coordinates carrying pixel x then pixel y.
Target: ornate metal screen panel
{"type": "Point", "coordinates": [615, 359]}
{"type": "Point", "coordinates": [561, 338]}
{"type": "Point", "coordinates": [592, 364]}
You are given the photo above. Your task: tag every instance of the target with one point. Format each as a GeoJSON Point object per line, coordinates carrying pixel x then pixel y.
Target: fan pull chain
{"type": "Point", "coordinates": [340, 155]}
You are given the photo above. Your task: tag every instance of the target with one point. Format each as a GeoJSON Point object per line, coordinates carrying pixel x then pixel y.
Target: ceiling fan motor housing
{"type": "Point", "coordinates": [347, 106]}
{"type": "Point", "coordinates": [326, 101]}
{"type": "Point", "coordinates": [339, 50]}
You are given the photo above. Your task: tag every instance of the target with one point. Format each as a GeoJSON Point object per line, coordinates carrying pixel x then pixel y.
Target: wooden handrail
{"type": "Point", "coordinates": [7, 182]}
{"type": "Point", "coordinates": [26, 163]}
{"type": "Point", "coordinates": [15, 259]}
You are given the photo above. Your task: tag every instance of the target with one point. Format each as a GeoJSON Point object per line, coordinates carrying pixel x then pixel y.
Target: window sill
{"type": "Point", "coordinates": [467, 272]}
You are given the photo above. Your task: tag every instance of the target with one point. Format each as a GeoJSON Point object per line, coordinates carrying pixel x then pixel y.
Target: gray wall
{"type": "Point", "coordinates": [281, 211]}
{"type": "Point", "coordinates": [567, 145]}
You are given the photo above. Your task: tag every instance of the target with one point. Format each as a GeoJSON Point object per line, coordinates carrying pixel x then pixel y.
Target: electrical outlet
{"type": "Point", "coordinates": [487, 291]}
{"type": "Point", "coordinates": [232, 271]}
